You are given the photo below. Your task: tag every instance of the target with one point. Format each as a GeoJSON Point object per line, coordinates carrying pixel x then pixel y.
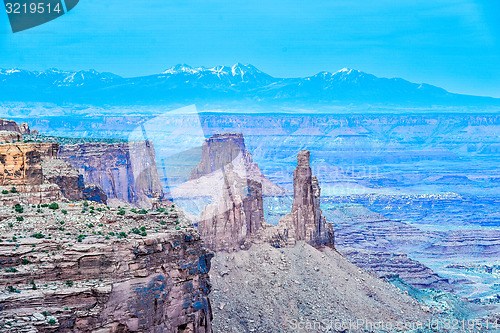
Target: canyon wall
{"type": "Point", "coordinates": [102, 271]}
{"type": "Point", "coordinates": [34, 170]}
{"type": "Point", "coordinates": [125, 171]}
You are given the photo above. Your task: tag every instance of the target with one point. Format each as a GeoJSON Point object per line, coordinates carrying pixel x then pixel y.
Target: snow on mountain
{"type": "Point", "coordinates": [184, 84]}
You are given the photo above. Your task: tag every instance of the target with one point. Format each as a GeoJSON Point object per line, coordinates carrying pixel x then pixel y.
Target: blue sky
{"type": "Point", "coordinates": [451, 44]}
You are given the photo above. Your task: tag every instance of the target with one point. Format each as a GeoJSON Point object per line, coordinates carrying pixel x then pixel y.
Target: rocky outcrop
{"type": "Point", "coordinates": [20, 164]}
{"type": "Point", "coordinates": [221, 149]}
{"type": "Point", "coordinates": [93, 192]}
{"type": "Point", "coordinates": [72, 185]}
{"type": "Point", "coordinates": [9, 125]}
{"type": "Point", "coordinates": [125, 171]}
{"type": "Point", "coordinates": [63, 174]}
{"type": "Point", "coordinates": [90, 269]}
{"type": "Point", "coordinates": [24, 128]}
{"type": "Point", "coordinates": [34, 171]}
{"type": "Point", "coordinates": [306, 221]}
{"type": "Point", "coordinates": [235, 220]}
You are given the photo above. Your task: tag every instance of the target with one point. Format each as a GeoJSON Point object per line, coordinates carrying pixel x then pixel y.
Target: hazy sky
{"type": "Point", "coordinates": [451, 44]}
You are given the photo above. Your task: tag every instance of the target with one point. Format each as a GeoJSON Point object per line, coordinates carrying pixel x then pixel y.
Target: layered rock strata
{"type": "Point", "coordinates": [306, 221]}
{"type": "Point", "coordinates": [34, 170]}
{"type": "Point", "coordinates": [78, 268]}
{"type": "Point", "coordinates": [125, 171]}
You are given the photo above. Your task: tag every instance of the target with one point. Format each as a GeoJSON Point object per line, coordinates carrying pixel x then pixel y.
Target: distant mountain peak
{"type": "Point", "coordinates": [239, 82]}
{"type": "Point", "coordinates": [182, 68]}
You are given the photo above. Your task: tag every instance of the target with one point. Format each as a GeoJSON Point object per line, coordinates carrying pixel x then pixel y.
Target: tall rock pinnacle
{"type": "Point", "coordinates": [306, 221]}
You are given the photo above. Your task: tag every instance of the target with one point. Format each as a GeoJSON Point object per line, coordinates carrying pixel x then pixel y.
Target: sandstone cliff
{"type": "Point", "coordinates": [125, 171]}
{"type": "Point", "coordinates": [80, 268]}
{"type": "Point", "coordinates": [34, 170]}
{"type": "Point", "coordinates": [231, 223]}
{"type": "Point", "coordinates": [306, 221]}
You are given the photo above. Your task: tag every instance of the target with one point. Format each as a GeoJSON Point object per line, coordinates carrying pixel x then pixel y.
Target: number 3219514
{"type": "Point", "coordinates": [32, 8]}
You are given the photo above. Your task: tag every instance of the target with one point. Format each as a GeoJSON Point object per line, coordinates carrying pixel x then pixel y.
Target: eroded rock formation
{"type": "Point", "coordinates": [231, 223]}
{"type": "Point", "coordinates": [306, 222]}
{"type": "Point", "coordinates": [221, 149]}
{"type": "Point", "coordinates": [34, 170]}
{"type": "Point", "coordinates": [9, 125]}
{"type": "Point", "coordinates": [102, 271]}
{"type": "Point", "coordinates": [125, 171]}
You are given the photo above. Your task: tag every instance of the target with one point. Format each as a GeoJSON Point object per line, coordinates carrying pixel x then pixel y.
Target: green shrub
{"type": "Point", "coordinates": [11, 289]}
{"type": "Point", "coordinates": [18, 208]}
{"type": "Point", "coordinates": [69, 283]}
{"type": "Point", "coordinates": [11, 270]}
{"type": "Point", "coordinates": [122, 235]}
{"type": "Point", "coordinates": [13, 190]}
{"type": "Point", "coordinates": [85, 204]}
{"type": "Point", "coordinates": [51, 321]}
{"type": "Point", "coordinates": [121, 212]}
{"type": "Point", "coordinates": [38, 235]}
{"type": "Point", "coordinates": [54, 206]}
{"type": "Point", "coordinates": [5, 192]}
{"type": "Point", "coordinates": [19, 218]}
{"type": "Point", "coordinates": [25, 261]}
{"type": "Point", "coordinates": [64, 211]}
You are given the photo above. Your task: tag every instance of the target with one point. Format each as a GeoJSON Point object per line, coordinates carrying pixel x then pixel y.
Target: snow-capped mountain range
{"type": "Point", "coordinates": [222, 84]}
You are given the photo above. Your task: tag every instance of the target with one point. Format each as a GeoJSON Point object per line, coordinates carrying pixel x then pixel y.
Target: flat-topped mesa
{"type": "Point", "coordinates": [306, 221]}
{"type": "Point", "coordinates": [221, 149]}
{"type": "Point", "coordinates": [233, 222]}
